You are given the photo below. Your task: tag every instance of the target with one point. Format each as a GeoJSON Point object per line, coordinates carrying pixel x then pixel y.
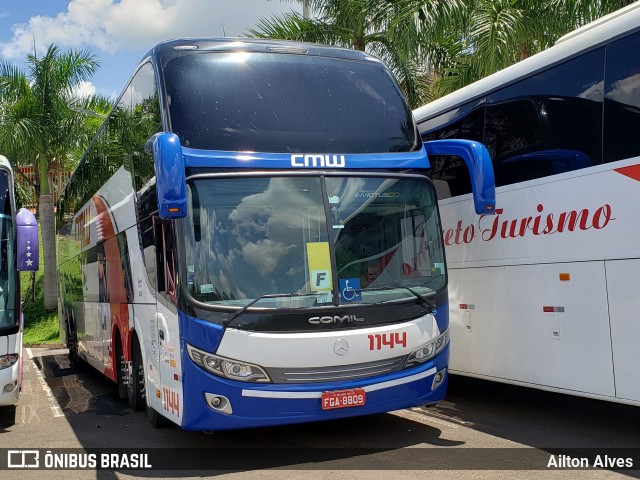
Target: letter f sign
{"type": "Point", "coordinates": [320, 280]}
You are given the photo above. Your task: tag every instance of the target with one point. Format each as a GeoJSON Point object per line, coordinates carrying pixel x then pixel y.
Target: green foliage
{"type": "Point", "coordinates": [41, 327]}
{"type": "Point", "coordinates": [489, 35]}
{"type": "Point", "coordinates": [40, 126]}
{"type": "Point", "coordinates": [434, 47]}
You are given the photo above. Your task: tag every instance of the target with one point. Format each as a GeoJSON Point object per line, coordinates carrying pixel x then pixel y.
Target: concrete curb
{"type": "Point", "coordinates": [51, 346]}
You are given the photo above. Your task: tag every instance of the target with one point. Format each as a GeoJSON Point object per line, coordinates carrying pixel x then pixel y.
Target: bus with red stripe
{"type": "Point", "coordinates": [252, 239]}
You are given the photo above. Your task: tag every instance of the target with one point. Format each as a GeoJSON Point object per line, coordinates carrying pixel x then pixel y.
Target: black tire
{"type": "Point", "coordinates": [121, 370]}
{"type": "Point", "coordinates": [72, 341]}
{"type": "Point", "coordinates": [136, 383]}
{"type": "Point", "coordinates": [156, 419]}
{"type": "Point", "coordinates": [8, 416]}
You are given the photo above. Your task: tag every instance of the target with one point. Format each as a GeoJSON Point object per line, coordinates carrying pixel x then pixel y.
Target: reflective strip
{"type": "Point", "coordinates": [369, 388]}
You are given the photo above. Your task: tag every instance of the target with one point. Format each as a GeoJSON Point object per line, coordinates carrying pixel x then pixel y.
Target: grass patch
{"type": "Point", "coordinates": [40, 326]}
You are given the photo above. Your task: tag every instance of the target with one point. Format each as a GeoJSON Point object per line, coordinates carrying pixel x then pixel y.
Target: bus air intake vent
{"type": "Point", "coordinates": [336, 373]}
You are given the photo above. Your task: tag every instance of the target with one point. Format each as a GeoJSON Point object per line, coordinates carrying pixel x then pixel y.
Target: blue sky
{"type": "Point", "coordinates": [121, 31]}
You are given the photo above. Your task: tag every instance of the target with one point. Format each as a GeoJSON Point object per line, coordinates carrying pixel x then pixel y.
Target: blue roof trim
{"type": "Point", "coordinates": [308, 161]}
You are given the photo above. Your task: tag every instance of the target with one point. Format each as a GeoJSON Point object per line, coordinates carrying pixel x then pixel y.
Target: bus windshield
{"type": "Point", "coordinates": [7, 257]}
{"type": "Point", "coordinates": [277, 103]}
{"type": "Point", "coordinates": [356, 238]}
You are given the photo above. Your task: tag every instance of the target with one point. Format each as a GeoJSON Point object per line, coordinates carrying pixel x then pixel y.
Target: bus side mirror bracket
{"type": "Point", "coordinates": [478, 161]}
{"type": "Point", "coordinates": [171, 184]}
{"type": "Point", "coordinates": [27, 241]}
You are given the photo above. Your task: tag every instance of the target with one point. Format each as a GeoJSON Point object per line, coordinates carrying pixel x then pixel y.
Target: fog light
{"type": "Point", "coordinates": [8, 388]}
{"type": "Point", "coordinates": [219, 403]}
{"type": "Point", "coordinates": [439, 378]}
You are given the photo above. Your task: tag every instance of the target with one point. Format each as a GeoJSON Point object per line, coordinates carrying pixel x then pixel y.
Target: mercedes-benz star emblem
{"type": "Point", "coordinates": [341, 347]}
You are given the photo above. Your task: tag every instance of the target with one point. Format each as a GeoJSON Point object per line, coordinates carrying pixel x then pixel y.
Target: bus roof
{"type": "Point", "coordinates": [4, 162]}
{"type": "Point", "coordinates": [605, 19]}
{"type": "Point", "coordinates": [236, 44]}
{"type": "Point", "coordinates": [580, 41]}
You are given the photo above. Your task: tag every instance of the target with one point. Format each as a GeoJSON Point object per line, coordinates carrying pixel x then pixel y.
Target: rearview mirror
{"type": "Point", "coordinates": [171, 184]}
{"type": "Point", "coordinates": [478, 161]}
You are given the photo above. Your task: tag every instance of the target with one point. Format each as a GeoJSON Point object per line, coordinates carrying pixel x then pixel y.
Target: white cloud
{"type": "Point", "coordinates": [110, 25]}
{"type": "Point", "coordinates": [84, 90]}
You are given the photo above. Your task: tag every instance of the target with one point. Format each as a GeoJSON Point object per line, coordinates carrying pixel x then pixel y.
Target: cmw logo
{"type": "Point", "coordinates": [316, 160]}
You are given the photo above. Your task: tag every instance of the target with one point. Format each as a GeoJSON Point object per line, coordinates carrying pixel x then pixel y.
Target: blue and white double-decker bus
{"type": "Point", "coordinates": [252, 239]}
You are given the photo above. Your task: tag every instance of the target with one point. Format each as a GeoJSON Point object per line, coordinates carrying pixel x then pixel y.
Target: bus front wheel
{"type": "Point", "coordinates": [135, 384]}
{"type": "Point", "coordinates": [157, 420]}
{"type": "Point", "coordinates": [72, 342]}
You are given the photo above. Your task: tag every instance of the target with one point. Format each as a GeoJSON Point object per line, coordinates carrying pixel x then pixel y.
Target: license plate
{"type": "Point", "coordinates": [343, 399]}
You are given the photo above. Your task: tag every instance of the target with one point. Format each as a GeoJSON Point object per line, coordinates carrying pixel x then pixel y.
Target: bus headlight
{"type": "Point", "coordinates": [228, 368]}
{"type": "Point", "coordinates": [428, 351]}
{"type": "Point", "coordinates": [7, 361]}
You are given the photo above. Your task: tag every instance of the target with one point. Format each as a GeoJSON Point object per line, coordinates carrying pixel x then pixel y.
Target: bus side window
{"type": "Point", "coordinates": [450, 176]}
{"type": "Point", "coordinates": [449, 173]}
{"type": "Point", "coordinates": [149, 256]}
{"type": "Point", "coordinates": [159, 251]}
{"type": "Point", "coordinates": [549, 123]}
{"type": "Point", "coordinates": [622, 100]}
{"type": "Point", "coordinates": [169, 255]}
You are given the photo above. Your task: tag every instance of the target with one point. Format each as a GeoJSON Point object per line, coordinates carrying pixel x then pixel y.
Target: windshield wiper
{"type": "Point", "coordinates": [229, 318]}
{"type": "Point", "coordinates": [425, 301]}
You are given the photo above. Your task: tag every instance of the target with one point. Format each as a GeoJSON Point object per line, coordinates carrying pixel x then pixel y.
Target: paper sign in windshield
{"type": "Point", "coordinates": [319, 264]}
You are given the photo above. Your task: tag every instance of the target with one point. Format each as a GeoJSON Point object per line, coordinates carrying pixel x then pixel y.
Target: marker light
{"type": "Point", "coordinates": [428, 351]}
{"type": "Point", "coordinates": [228, 368]}
{"type": "Point", "coordinates": [7, 361]}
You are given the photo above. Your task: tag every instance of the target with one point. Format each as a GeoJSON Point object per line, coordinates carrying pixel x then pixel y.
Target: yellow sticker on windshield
{"type": "Point", "coordinates": [319, 264]}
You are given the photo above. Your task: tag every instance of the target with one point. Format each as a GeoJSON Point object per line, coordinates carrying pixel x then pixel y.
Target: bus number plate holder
{"type": "Point", "coordinates": [344, 398]}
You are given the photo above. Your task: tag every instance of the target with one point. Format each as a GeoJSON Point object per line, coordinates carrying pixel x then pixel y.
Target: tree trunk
{"type": "Point", "coordinates": [525, 52]}
{"type": "Point", "coordinates": [47, 227]}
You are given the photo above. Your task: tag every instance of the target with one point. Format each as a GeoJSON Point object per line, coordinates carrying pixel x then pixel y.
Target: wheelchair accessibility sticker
{"type": "Point", "coordinates": [350, 290]}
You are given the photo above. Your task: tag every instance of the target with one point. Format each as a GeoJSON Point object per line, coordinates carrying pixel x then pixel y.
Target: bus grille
{"type": "Point", "coordinates": [336, 373]}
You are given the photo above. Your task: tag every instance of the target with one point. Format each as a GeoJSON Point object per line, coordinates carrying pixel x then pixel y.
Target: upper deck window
{"type": "Point", "coordinates": [284, 103]}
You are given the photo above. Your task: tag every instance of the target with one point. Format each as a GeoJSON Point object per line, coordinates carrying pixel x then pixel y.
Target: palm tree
{"type": "Point", "coordinates": [392, 30]}
{"type": "Point", "coordinates": [493, 34]}
{"type": "Point", "coordinates": [37, 127]}
{"type": "Point", "coordinates": [306, 7]}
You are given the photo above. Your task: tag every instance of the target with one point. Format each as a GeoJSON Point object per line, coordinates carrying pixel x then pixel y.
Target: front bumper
{"type": "Point", "coordinates": [258, 405]}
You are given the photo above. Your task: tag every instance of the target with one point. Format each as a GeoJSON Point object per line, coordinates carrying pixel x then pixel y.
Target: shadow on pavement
{"type": "Point", "coordinates": [540, 419]}
{"type": "Point", "coordinates": [101, 421]}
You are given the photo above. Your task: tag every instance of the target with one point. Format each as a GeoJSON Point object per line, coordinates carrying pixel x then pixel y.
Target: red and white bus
{"type": "Point", "coordinates": [545, 293]}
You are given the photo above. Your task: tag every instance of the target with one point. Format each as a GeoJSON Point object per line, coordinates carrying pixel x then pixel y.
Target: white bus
{"type": "Point", "coordinates": [18, 252]}
{"type": "Point", "coordinates": [545, 294]}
